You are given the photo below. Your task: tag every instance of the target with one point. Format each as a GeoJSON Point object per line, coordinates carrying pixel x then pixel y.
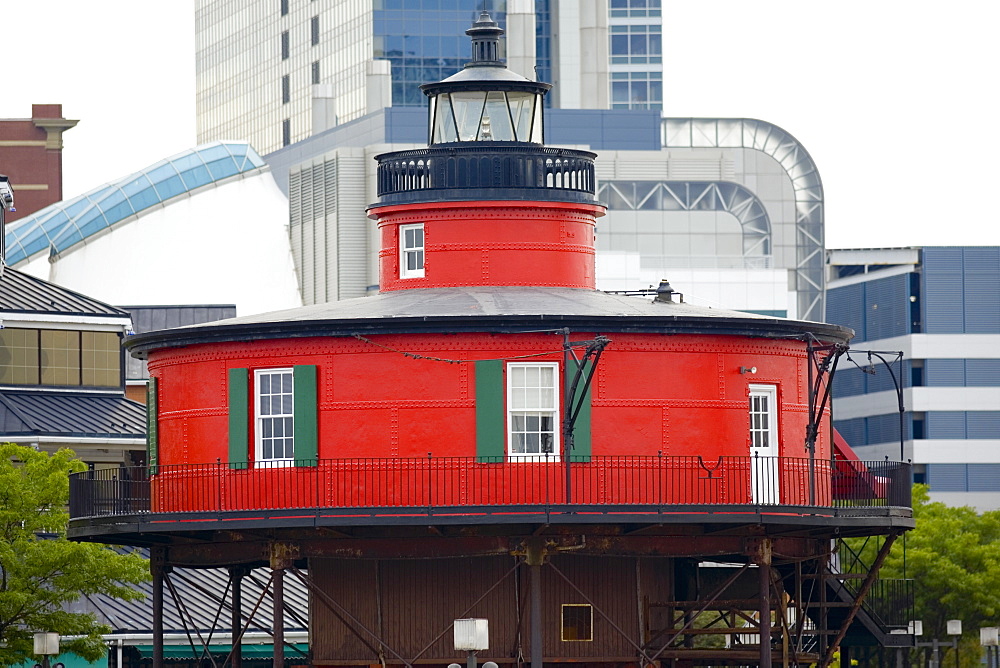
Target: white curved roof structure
{"type": "Point", "coordinates": [205, 226]}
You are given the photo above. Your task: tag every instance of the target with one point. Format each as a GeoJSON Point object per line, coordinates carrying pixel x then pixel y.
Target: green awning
{"type": "Point", "coordinates": [68, 660]}
{"type": "Point", "coordinates": [296, 650]}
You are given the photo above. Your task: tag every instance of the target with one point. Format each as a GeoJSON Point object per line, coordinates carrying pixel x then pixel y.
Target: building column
{"type": "Point", "coordinates": [521, 38]}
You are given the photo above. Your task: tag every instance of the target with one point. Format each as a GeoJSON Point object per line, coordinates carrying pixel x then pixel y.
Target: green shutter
{"type": "Point", "coordinates": [491, 422]}
{"type": "Point", "coordinates": [152, 437]}
{"type": "Point", "coordinates": [581, 429]}
{"type": "Point", "coordinates": [306, 431]}
{"type": "Point", "coordinates": [239, 418]}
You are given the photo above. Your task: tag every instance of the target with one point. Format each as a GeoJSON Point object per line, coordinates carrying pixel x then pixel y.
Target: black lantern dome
{"type": "Point", "coordinates": [485, 101]}
{"type": "Point", "coordinates": [486, 140]}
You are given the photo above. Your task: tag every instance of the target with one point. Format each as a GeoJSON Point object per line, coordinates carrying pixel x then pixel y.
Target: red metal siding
{"type": "Point", "coordinates": [492, 243]}
{"type": "Point", "coordinates": [677, 396]}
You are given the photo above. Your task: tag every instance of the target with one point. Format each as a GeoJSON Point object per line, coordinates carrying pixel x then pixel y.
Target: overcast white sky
{"type": "Point", "coordinates": [896, 101]}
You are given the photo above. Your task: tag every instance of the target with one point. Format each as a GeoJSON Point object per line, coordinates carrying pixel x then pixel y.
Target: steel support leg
{"type": "Point", "coordinates": [764, 584]}
{"type": "Point", "coordinates": [236, 574]}
{"type": "Point", "coordinates": [278, 593]}
{"type": "Point", "coordinates": [536, 615]}
{"type": "Point", "coordinates": [158, 568]}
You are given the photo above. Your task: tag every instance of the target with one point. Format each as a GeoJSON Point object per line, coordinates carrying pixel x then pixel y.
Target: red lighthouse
{"type": "Point", "coordinates": [607, 479]}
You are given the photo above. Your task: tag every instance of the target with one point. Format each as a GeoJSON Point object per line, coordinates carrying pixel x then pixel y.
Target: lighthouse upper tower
{"type": "Point", "coordinates": [486, 203]}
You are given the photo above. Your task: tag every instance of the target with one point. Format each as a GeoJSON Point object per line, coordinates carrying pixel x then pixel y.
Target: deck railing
{"type": "Point", "coordinates": [492, 486]}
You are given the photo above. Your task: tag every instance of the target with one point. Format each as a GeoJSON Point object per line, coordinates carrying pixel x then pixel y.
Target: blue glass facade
{"type": "Point", "coordinates": [950, 291]}
{"type": "Point", "coordinates": [961, 288]}
{"type": "Point", "coordinates": [425, 40]}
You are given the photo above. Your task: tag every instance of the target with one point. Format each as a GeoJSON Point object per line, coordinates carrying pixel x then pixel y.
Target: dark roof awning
{"type": "Point", "coordinates": [23, 293]}
{"type": "Point", "coordinates": [70, 415]}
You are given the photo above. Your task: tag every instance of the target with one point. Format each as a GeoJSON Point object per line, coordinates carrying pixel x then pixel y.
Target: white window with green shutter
{"type": "Point", "coordinates": [274, 420]}
{"type": "Point", "coordinates": [283, 419]}
{"type": "Point", "coordinates": [533, 410]}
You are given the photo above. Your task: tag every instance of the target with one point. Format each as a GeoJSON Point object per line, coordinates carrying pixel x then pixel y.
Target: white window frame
{"type": "Point", "coordinates": [406, 251]}
{"type": "Point", "coordinates": [554, 410]}
{"type": "Point", "coordinates": [261, 418]}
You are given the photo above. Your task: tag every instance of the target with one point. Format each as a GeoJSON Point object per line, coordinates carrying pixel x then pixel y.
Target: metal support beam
{"type": "Point", "coordinates": [534, 556]}
{"type": "Point", "coordinates": [278, 601]}
{"type": "Point", "coordinates": [236, 574]}
{"type": "Point", "coordinates": [763, 560]}
{"type": "Point", "coordinates": [158, 567]}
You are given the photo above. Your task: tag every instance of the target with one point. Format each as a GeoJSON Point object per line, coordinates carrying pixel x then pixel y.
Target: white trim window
{"type": "Point", "coordinates": [763, 427]}
{"type": "Point", "coordinates": [411, 251]}
{"type": "Point", "coordinates": [765, 479]}
{"type": "Point", "coordinates": [274, 418]}
{"type": "Point", "coordinates": [533, 410]}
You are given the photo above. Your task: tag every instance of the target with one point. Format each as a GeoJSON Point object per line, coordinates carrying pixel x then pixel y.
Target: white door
{"type": "Point", "coordinates": [764, 478]}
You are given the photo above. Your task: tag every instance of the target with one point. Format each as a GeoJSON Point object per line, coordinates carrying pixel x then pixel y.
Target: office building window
{"type": "Point", "coordinates": [285, 46]}
{"type": "Point", "coordinates": [532, 409]}
{"type": "Point", "coordinates": [315, 72]}
{"type": "Point", "coordinates": [284, 7]}
{"type": "Point", "coordinates": [636, 90]}
{"type": "Point", "coordinates": [636, 44]}
{"type": "Point", "coordinates": [314, 30]}
{"type": "Point", "coordinates": [274, 419]}
{"type": "Point", "coordinates": [411, 251]}
{"type": "Point", "coordinates": [286, 90]}
{"type": "Point", "coordinates": [630, 8]}
{"type": "Point", "coordinates": [286, 132]}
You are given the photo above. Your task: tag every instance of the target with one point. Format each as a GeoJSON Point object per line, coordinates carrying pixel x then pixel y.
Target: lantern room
{"type": "Point", "coordinates": [485, 102]}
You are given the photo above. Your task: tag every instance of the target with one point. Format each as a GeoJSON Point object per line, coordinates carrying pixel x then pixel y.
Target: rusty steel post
{"type": "Point", "coordinates": [282, 556]}
{"type": "Point", "coordinates": [761, 555]}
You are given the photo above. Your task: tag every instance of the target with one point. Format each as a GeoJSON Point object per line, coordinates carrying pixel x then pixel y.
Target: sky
{"type": "Point", "coordinates": [897, 102]}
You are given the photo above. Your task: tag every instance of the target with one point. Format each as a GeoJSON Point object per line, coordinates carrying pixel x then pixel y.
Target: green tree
{"type": "Point", "coordinates": [953, 557]}
{"type": "Point", "coordinates": [40, 569]}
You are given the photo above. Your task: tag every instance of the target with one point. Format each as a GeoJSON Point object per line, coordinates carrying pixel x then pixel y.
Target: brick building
{"type": "Point", "coordinates": [31, 155]}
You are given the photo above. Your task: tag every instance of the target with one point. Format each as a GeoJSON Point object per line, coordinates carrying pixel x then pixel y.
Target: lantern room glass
{"type": "Point", "coordinates": [486, 116]}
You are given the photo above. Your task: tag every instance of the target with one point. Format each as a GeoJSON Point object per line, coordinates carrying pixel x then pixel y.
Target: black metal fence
{"type": "Point", "coordinates": [501, 485]}
{"type": "Point", "coordinates": [890, 600]}
{"type": "Point", "coordinates": [538, 170]}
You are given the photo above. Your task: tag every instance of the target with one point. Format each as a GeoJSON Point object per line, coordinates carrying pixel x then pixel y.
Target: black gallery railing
{"type": "Point", "coordinates": [546, 173]}
{"type": "Point", "coordinates": [430, 484]}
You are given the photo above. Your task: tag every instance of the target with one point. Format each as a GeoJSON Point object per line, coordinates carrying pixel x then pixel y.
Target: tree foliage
{"type": "Point", "coordinates": [953, 556]}
{"type": "Point", "coordinates": [40, 570]}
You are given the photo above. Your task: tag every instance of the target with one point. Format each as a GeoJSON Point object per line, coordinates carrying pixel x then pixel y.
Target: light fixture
{"type": "Point", "coordinates": [472, 635]}
{"type": "Point", "coordinates": [748, 369]}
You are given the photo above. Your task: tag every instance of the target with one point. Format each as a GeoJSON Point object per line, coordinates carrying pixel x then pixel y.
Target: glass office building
{"type": "Point", "coordinates": [276, 72]}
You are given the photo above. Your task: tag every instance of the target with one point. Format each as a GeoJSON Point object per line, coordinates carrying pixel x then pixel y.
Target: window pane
{"type": "Point", "coordinates": [60, 357]}
{"type": "Point", "coordinates": [468, 112]}
{"type": "Point", "coordinates": [101, 358]}
{"type": "Point", "coordinates": [19, 356]}
{"type": "Point", "coordinates": [275, 423]}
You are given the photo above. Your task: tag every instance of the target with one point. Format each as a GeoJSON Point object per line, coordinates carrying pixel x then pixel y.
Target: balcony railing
{"type": "Point", "coordinates": [471, 485]}
{"type": "Point", "coordinates": [511, 171]}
